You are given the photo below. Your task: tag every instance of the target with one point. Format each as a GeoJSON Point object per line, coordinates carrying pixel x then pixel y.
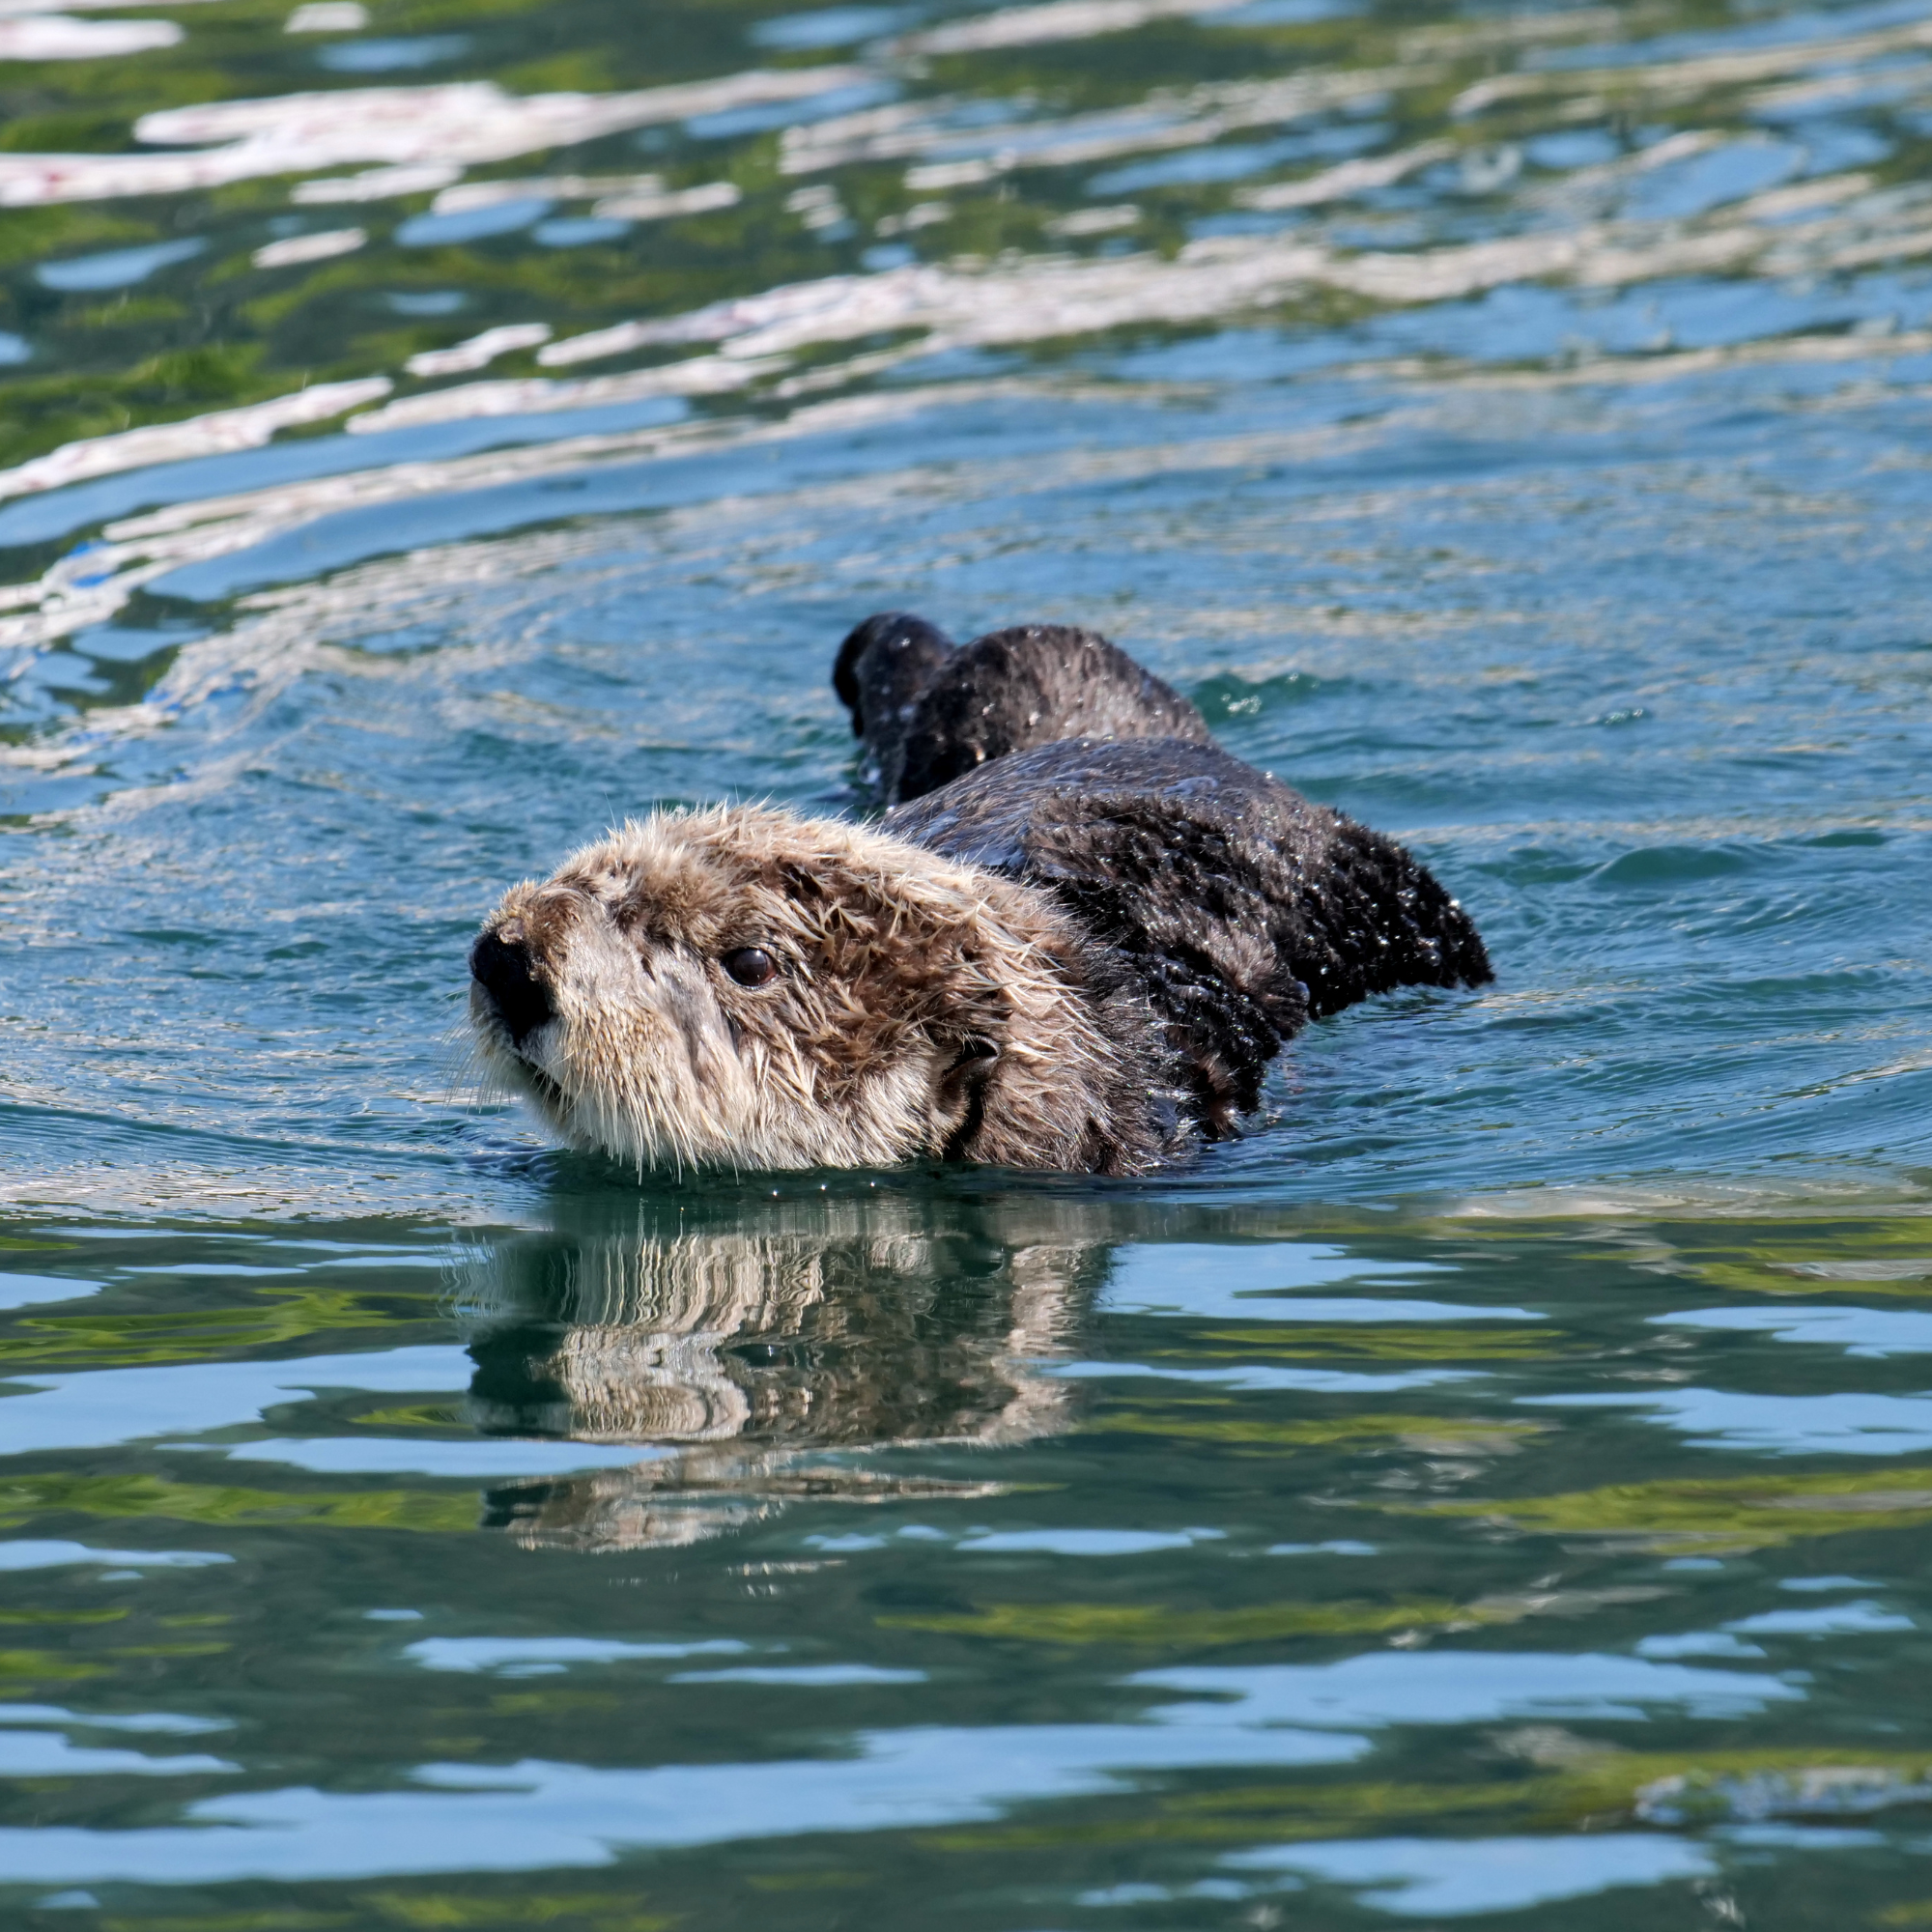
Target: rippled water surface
{"type": "Point", "coordinates": [1497, 1491]}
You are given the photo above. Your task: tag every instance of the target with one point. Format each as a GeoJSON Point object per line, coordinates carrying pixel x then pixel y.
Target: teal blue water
{"type": "Point", "coordinates": [1496, 1492]}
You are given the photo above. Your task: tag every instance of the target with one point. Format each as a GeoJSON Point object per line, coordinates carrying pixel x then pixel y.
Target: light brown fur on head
{"type": "Point", "coordinates": [919, 1008]}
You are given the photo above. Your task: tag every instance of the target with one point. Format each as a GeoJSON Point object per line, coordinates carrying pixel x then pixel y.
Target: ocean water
{"type": "Point", "coordinates": [1496, 1492]}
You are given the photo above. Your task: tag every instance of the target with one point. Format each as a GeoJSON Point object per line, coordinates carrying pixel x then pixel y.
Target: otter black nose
{"type": "Point", "coordinates": [503, 965]}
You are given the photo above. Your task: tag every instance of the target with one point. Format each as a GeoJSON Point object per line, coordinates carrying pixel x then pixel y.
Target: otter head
{"type": "Point", "coordinates": [740, 988]}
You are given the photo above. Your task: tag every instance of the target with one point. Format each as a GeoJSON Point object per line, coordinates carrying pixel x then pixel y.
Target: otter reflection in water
{"type": "Point", "coordinates": [729, 1355]}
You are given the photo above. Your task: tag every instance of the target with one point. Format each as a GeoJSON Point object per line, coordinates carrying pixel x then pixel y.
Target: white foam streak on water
{"type": "Point", "coordinates": [220, 430]}
{"type": "Point", "coordinates": [536, 187]}
{"type": "Point", "coordinates": [462, 124]}
{"type": "Point", "coordinates": [375, 184]}
{"type": "Point", "coordinates": [477, 350]}
{"type": "Point", "coordinates": [1164, 120]}
{"type": "Point", "coordinates": [1057, 21]}
{"type": "Point", "coordinates": [667, 203]}
{"type": "Point", "coordinates": [702, 376]}
{"type": "Point", "coordinates": [299, 250]}
{"type": "Point", "coordinates": [1698, 76]}
{"type": "Point", "coordinates": [39, 37]}
{"type": "Point", "coordinates": [1346, 179]}
{"type": "Point", "coordinates": [10, 9]}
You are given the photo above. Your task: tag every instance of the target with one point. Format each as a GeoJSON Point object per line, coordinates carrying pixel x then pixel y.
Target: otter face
{"type": "Point", "coordinates": [740, 988]}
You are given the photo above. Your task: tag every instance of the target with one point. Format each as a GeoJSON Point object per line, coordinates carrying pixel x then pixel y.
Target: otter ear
{"type": "Point", "coordinates": [962, 1090]}
{"type": "Point", "coordinates": [975, 1059]}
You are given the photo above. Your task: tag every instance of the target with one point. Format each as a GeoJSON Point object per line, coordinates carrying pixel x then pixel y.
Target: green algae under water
{"type": "Point", "coordinates": [1497, 1491]}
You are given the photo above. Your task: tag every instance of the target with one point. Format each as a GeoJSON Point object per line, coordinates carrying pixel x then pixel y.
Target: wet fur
{"type": "Point", "coordinates": [1240, 909]}
{"type": "Point", "coordinates": [1077, 954]}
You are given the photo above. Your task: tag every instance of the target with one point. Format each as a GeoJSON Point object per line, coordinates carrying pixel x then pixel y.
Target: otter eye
{"type": "Point", "coordinates": [752, 966]}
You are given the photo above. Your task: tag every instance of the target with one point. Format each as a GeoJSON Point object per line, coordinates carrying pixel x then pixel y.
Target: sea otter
{"type": "Point", "coordinates": [1073, 943]}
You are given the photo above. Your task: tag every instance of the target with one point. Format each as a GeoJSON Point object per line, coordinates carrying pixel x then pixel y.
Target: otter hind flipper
{"type": "Point", "coordinates": [882, 667]}
{"type": "Point", "coordinates": [1242, 910]}
{"type": "Point", "coordinates": [1036, 684]}
{"type": "Point", "coordinates": [930, 712]}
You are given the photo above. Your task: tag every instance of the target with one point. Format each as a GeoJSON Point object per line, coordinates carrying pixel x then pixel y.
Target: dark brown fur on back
{"type": "Point", "coordinates": [1242, 910]}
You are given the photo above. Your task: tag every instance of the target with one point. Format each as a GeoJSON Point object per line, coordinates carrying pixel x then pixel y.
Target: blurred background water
{"type": "Point", "coordinates": [1496, 1492]}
